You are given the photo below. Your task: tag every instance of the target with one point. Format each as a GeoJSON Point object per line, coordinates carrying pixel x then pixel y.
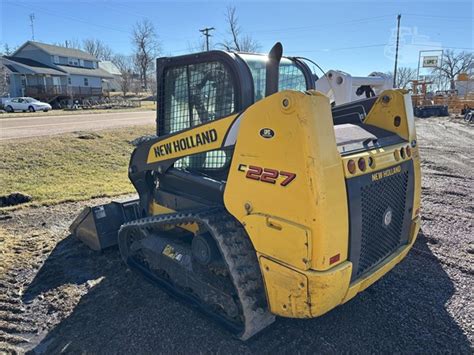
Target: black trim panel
{"type": "Point", "coordinates": [383, 202]}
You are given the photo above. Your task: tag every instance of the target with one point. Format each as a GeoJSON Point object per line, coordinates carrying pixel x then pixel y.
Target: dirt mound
{"type": "Point", "coordinates": [13, 199]}
{"type": "Point", "coordinates": [87, 135]}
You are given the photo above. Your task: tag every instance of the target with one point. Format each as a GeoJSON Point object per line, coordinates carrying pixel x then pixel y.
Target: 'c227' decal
{"type": "Point", "coordinates": [267, 175]}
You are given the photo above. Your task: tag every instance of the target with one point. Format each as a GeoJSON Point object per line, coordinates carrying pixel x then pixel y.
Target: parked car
{"type": "Point", "coordinates": [25, 104]}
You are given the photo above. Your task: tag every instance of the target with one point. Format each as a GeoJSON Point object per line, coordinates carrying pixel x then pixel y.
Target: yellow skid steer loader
{"type": "Point", "coordinates": [257, 198]}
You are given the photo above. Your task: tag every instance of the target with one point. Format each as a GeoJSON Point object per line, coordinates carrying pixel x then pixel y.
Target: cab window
{"type": "Point", "coordinates": [195, 94]}
{"type": "Point", "coordinates": [290, 77]}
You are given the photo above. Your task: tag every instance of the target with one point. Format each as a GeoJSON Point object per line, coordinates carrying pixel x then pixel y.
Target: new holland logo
{"type": "Point", "coordinates": [387, 217]}
{"type": "Point", "coordinates": [185, 143]}
{"type": "Point", "coordinates": [386, 173]}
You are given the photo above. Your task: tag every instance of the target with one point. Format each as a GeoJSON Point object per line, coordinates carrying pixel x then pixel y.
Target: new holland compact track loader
{"type": "Point", "coordinates": [257, 198]}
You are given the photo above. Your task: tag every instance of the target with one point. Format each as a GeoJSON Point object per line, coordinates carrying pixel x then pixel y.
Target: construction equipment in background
{"type": "Point", "coordinates": [443, 102]}
{"type": "Point", "coordinates": [423, 103]}
{"type": "Point", "coordinates": [257, 198]}
{"type": "Point", "coordinates": [342, 87]}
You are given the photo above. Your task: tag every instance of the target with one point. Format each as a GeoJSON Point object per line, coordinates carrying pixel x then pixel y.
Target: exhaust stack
{"type": "Point", "coordinates": [272, 69]}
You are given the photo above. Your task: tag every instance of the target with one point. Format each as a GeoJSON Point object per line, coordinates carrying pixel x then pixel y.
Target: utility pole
{"type": "Point", "coordinates": [205, 32]}
{"type": "Point", "coordinates": [32, 24]}
{"type": "Point", "coordinates": [396, 51]}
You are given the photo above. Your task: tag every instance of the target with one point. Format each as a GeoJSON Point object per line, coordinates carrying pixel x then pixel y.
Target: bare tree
{"type": "Point", "coordinates": [125, 64]}
{"type": "Point", "coordinates": [404, 76]}
{"type": "Point", "coordinates": [146, 48]}
{"type": "Point", "coordinates": [199, 46]}
{"type": "Point", "coordinates": [4, 81]}
{"type": "Point", "coordinates": [97, 48]}
{"type": "Point", "coordinates": [453, 64]}
{"type": "Point", "coordinates": [71, 43]}
{"type": "Point", "coordinates": [237, 41]}
{"type": "Point", "coordinates": [6, 50]}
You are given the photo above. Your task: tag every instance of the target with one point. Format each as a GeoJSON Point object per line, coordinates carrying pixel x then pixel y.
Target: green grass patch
{"type": "Point", "coordinates": [65, 168]}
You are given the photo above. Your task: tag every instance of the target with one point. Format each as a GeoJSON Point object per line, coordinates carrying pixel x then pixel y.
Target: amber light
{"type": "Point", "coordinates": [402, 153]}
{"type": "Point", "coordinates": [408, 151]}
{"type": "Point", "coordinates": [351, 166]}
{"type": "Point", "coordinates": [396, 155]}
{"type": "Point", "coordinates": [361, 163]}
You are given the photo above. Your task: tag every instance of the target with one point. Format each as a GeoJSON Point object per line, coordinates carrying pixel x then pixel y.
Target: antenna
{"type": "Point", "coordinates": [32, 24]}
{"type": "Point", "coordinates": [205, 32]}
{"type": "Point", "coordinates": [396, 52]}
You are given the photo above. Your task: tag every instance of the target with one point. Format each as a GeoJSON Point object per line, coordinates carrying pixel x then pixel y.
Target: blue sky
{"type": "Point", "coordinates": [353, 36]}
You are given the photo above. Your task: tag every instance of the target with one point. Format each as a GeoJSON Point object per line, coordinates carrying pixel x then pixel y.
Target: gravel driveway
{"type": "Point", "coordinates": [57, 295]}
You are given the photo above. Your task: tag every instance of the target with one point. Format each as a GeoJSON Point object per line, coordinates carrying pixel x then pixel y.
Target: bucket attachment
{"type": "Point", "coordinates": [98, 226]}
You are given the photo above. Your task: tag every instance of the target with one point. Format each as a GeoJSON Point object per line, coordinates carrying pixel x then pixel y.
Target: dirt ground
{"type": "Point", "coordinates": [56, 295]}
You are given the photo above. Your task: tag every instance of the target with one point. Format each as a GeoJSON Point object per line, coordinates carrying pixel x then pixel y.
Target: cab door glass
{"type": "Point", "coordinates": [291, 77]}
{"type": "Point", "coordinates": [195, 94]}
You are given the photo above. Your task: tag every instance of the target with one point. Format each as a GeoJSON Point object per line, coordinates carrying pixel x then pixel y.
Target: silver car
{"type": "Point", "coordinates": [25, 104]}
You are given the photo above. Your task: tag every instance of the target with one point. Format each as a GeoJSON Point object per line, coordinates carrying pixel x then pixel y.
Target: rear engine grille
{"type": "Point", "coordinates": [379, 200]}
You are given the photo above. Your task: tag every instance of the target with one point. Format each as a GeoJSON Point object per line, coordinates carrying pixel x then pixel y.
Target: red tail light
{"type": "Point", "coordinates": [351, 166]}
{"type": "Point", "coordinates": [361, 163]}
{"type": "Point", "coordinates": [408, 151]}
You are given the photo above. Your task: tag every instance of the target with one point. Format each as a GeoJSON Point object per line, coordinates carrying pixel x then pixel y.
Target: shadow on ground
{"type": "Point", "coordinates": [405, 311]}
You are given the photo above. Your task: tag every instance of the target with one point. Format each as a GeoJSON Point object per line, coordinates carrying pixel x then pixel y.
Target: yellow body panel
{"type": "Point", "coordinates": [307, 280]}
{"type": "Point", "coordinates": [276, 235]}
{"type": "Point", "coordinates": [304, 144]}
{"type": "Point", "coordinates": [304, 294]}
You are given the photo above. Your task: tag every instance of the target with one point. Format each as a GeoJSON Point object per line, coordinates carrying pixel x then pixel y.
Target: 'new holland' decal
{"type": "Point", "coordinates": [193, 141]}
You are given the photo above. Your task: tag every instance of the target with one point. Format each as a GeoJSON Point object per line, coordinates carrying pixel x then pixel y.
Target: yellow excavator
{"type": "Point", "coordinates": [257, 198]}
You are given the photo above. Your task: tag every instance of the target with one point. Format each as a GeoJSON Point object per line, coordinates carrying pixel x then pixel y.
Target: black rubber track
{"type": "Point", "coordinates": [237, 252]}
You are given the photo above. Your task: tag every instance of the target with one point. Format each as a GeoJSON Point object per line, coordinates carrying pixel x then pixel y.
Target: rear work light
{"type": "Point", "coordinates": [361, 163]}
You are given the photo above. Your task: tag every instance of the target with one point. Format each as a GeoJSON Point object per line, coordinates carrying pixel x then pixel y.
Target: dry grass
{"type": "Point", "coordinates": [66, 168]}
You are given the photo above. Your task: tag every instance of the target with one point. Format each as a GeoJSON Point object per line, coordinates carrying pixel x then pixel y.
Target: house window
{"type": "Point", "coordinates": [69, 81]}
{"type": "Point", "coordinates": [86, 82]}
{"type": "Point", "coordinates": [56, 59]}
{"type": "Point", "coordinates": [73, 61]}
{"type": "Point", "coordinates": [81, 62]}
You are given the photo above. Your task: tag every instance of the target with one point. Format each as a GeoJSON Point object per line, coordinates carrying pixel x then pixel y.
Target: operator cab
{"type": "Point", "coordinates": [197, 88]}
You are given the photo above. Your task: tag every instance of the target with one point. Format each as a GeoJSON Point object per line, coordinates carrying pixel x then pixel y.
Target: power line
{"type": "Point", "coordinates": [321, 25]}
{"type": "Point", "coordinates": [456, 18]}
{"type": "Point", "coordinates": [205, 32]}
{"type": "Point", "coordinates": [58, 15]}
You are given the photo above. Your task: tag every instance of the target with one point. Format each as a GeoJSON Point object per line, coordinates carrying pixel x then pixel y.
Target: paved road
{"type": "Point", "coordinates": [22, 127]}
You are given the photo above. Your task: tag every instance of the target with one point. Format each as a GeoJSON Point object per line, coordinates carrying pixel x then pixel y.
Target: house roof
{"type": "Point", "coordinates": [101, 73]}
{"type": "Point", "coordinates": [59, 51]}
{"type": "Point", "coordinates": [29, 66]}
{"type": "Point", "coordinates": [110, 67]}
